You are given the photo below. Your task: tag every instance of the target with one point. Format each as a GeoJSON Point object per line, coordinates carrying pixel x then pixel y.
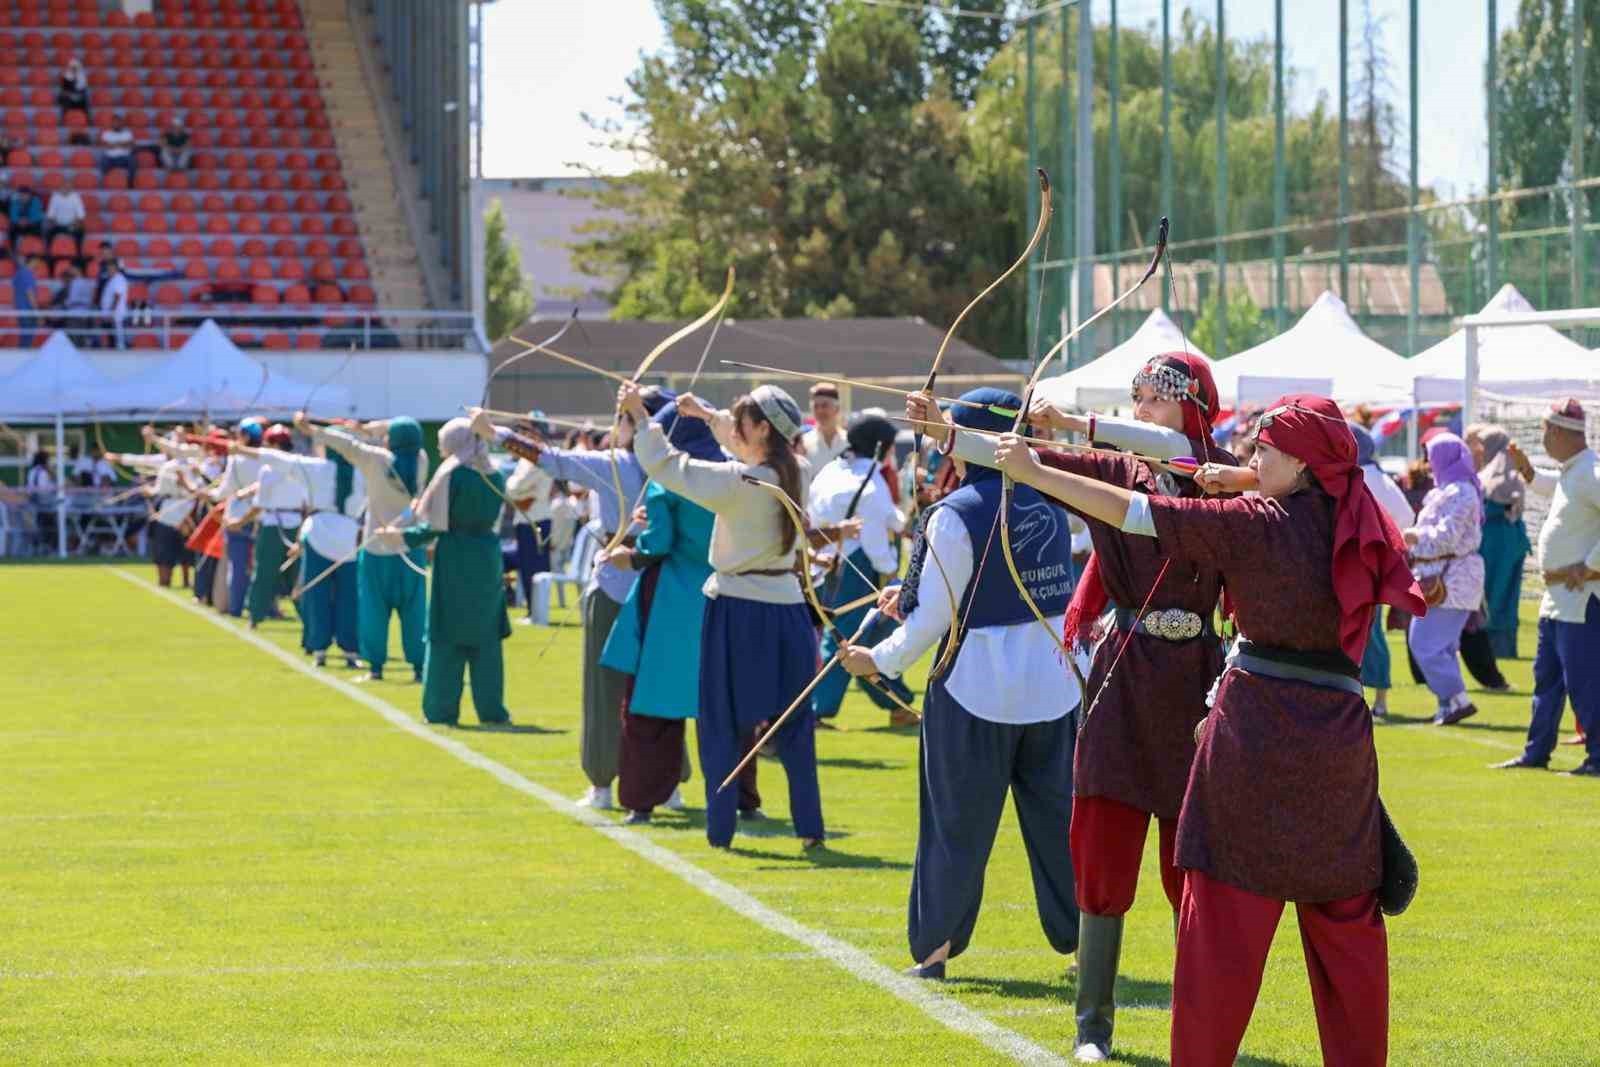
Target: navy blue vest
{"type": "Point", "coordinates": [1040, 543]}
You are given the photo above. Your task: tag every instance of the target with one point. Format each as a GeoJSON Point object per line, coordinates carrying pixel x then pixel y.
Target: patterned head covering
{"type": "Point", "coordinates": [779, 408]}
{"type": "Point", "coordinates": [1186, 378]}
{"type": "Point", "coordinates": [1566, 413]}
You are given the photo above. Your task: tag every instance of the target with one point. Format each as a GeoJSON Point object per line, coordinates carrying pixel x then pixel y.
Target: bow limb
{"type": "Point", "coordinates": [528, 349]}
{"type": "Point", "coordinates": [714, 312]}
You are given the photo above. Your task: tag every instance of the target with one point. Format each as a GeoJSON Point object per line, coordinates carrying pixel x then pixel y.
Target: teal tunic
{"type": "Point", "coordinates": [662, 651]}
{"type": "Point", "coordinates": [1505, 546]}
{"type": "Point", "coordinates": [467, 604]}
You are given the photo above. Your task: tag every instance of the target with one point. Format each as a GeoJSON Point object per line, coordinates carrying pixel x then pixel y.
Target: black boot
{"type": "Point", "coordinates": [1099, 948]}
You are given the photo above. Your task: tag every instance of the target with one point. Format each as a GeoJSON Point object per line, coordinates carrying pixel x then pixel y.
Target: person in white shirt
{"type": "Point", "coordinates": [233, 489]}
{"type": "Point", "coordinates": [65, 215]}
{"type": "Point", "coordinates": [999, 719]}
{"type": "Point", "coordinates": [114, 301]}
{"type": "Point", "coordinates": [116, 147]}
{"type": "Point", "coordinates": [172, 496]}
{"type": "Point", "coordinates": [41, 489]}
{"type": "Point", "coordinates": [826, 441]}
{"type": "Point", "coordinates": [281, 501]}
{"type": "Point", "coordinates": [1375, 664]}
{"type": "Point", "coordinates": [853, 488]}
{"type": "Point", "coordinates": [529, 489]}
{"type": "Point", "coordinates": [1567, 663]}
{"type": "Point", "coordinates": [82, 467]}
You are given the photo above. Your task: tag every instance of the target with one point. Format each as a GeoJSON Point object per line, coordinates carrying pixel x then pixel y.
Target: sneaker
{"type": "Point", "coordinates": [526, 620]}
{"type": "Point", "coordinates": [675, 801]}
{"type": "Point", "coordinates": [597, 797]}
{"type": "Point", "coordinates": [636, 818]}
{"type": "Point", "coordinates": [374, 674]}
{"type": "Point", "coordinates": [351, 663]}
{"type": "Point", "coordinates": [752, 815]}
{"type": "Point", "coordinates": [1586, 769]}
{"type": "Point", "coordinates": [931, 972]}
{"type": "Point", "coordinates": [1380, 713]}
{"type": "Point", "coordinates": [1451, 716]}
{"type": "Point", "coordinates": [1521, 763]}
{"type": "Point", "coordinates": [321, 659]}
{"type": "Point", "coordinates": [1575, 739]}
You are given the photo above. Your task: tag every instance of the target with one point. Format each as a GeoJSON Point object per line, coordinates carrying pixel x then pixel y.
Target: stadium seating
{"type": "Point", "coordinates": [263, 208]}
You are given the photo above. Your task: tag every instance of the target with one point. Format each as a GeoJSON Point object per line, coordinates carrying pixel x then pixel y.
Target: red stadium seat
{"type": "Point", "coordinates": [264, 294]}
{"type": "Point", "coordinates": [239, 179]}
{"type": "Point", "coordinates": [244, 338]}
{"type": "Point", "coordinates": [296, 294]}
{"type": "Point", "coordinates": [317, 248]}
{"type": "Point", "coordinates": [62, 265]}
{"type": "Point", "coordinates": [249, 224]}
{"type": "Point", "coordinates": [156, 223]}
{"type": "Point", "coordinates": [122, 222]}
{"type": "Point", "coordinates": [245, 203]}
{"type": "Point", "coordinates": [207, 180]}
{"type": "Point", "coordinates": [30, 246]}
{"type": "Point", "coordinates": [221, 247]}
{"type": "Point", "coordinates": [228, 271]}
{"type": "Point", "coordinates": [63, 245]}
{"type": "Point", "coordinates": [254, 247]}
{"type": "Point", "coordinates": [281, 225]}
{"type": "Point", "coordinates": [217, 224]}
{"type": "Point", "coordinates": [306, 339]}
{"type": "Point", "coordinates": [345, 226]}
{"type": "Point", "coordinates": [260, 270]}
{"type": "Point", "coordinates": [190, 247]}
{"type": "Point", "coordinates": [313, 226]}
{"type": "Point", "coordinates": [80, 157]}
{"type": "Point", "coordinates": [52, 181]}
{"type": "Point", "coordinates": [214, 203]}
{"type": "Point", "coordinates": [84, 180]}
{"type": "Point", "coordinates": [141, 339]}
{"type": "Point", "coordinates": [151, 202]}
{"type": "Point", "coordinates": [284, 248]}
{"type": "Point", "coordinates": [260, 139]}
{"type": "Point", "coordinates": [158, 246]}
{"type": "Point", "coordinates": [183, 202]}
{"type": "Point", "coordinates": [196, 270]}
{"type": "Point", "coordinates": [51, 158]}
{"type": "Point", "coordinates": [293, 270]}
{"type": "Point", "coordinates": [277, 341]}
{"type": "Point", "coordinates": [126, 248]}
{"type": "Point", "coordinates": [177, 179]}
{"type": "Point", "coordinates": [19, 157]}
{"type": "Point", "coordinates": [328, 293]}
{"type": "Point", "coordinates": [186, 224]}
{"type": "Point", "coordinates": [147, 177]}
{"type": "Point", "coordinates": [275, 202]}
{"type": "Point", "coordinates": [168, 295]}
{"type": "Point", "coordinates": [323, 270]}
{"type": "Point", "coordinates": [115, 179]}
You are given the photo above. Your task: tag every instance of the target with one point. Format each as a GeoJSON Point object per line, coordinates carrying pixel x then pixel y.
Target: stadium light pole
{"type": "Point", "coordinates": [1085, 178]}
{"type": "Point", "coordinates": [1491, 93]}
{"type": "Point", "coordinates": [1221, 288]}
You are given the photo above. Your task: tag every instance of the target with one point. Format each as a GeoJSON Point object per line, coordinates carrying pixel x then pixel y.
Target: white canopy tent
{"type": "Point", "coordinates": [210, 375]}
{"type": "Point", "coordinates": [1325, 345]}
{"type": "Point", "coordinates": [1533, 360]}
{"type": "Point", "coordinates": [55, 379]}
{"type": "Point", "coordinates": [1104, 382]}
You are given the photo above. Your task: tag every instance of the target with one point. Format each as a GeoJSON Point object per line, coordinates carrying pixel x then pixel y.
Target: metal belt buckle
{"type": "Point", "coordinates": [1173, 624]}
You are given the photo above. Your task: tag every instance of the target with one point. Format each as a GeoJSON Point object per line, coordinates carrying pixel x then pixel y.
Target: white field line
{"type": "Point", "coordinates": [919, 994]}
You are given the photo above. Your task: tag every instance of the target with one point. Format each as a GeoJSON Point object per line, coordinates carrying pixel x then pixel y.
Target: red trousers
{"type": "Point", "coordinates": [1107, 839]}
{"type": "Point", "coordinates": [1224, 934]}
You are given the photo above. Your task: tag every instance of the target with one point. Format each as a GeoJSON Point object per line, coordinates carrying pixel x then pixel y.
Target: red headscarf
{"type": "Point", "coordinates": [1198, 400]}
{"type": "Point", "coordinates": [278, 436]}
{"type": "Point", "coordinates": [1369, 556]}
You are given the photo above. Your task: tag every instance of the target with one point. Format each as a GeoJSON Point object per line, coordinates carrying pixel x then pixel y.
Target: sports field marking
{"type": "Point", "coordinates": [919, 994]}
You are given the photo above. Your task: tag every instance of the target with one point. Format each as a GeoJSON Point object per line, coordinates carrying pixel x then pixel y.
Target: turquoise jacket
{"type": "Point", "coordinates": [662, 650]}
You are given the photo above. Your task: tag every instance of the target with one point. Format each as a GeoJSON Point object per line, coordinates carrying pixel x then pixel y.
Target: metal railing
{"type": "Point", "coordinates": [311, 327]}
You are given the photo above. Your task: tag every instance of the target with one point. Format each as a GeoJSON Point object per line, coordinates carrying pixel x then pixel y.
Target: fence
{"type": "Point", "coordinates": [308, 328]}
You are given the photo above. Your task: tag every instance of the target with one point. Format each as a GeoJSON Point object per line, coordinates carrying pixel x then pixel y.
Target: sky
{"type": "Point", "coordinates": [547, 62]}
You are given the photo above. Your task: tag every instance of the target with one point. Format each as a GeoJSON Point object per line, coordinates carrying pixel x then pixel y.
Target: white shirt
{"type": "Point", "coordinates": [529, 482]}
{"type": "Point", "coordinates": [1388, 495]}
{"type": "Point", "coordinates": [283, 492]}
{"type": "Point", "coordinates": [1571, 532]}
{"type": "Point", "coordinates": [1005, 674]}
{"type": "Point", "coordinates": [66, 207]}
{"type": "Point", "coordinates": [115, 295]}
{"type": "Point", "coordinates": [831, 492]}
{"type": "Point", "coordinates": [39, 480]}
{"type": "Point", "coordinates": [240, 472]}
{"type": "Point", "coordinates": [174, 503]}
{"type": "Point", "coordinates": [104, 473]}
{"type": "Point", "coordinates": [117, 143]}
{"type": "Point", "coordinates": [84, 464]}
{"type": "Point", "coordinates": [820, 452]}
{"type": "Point", "coordinates": [384, 496]}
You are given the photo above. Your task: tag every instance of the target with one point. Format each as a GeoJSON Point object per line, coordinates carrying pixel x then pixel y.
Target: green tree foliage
{"type": "Point", "coordinates": [1244, 325]}
{"type": "Point", "coordinates": [1535, 85]}
{"type": "Point", "coordinates": [507, 297]}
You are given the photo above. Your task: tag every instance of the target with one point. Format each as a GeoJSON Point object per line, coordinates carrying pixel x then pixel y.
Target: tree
{"type": "Point", "coordinates": [508, 298]}
{"type": "Point", "coordinates": [1535, 86]}
{"type": "Point", "coordinates": [1244, 325]}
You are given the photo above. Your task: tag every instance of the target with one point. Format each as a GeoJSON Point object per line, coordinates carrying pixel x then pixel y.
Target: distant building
{"type": "Point", "coordinates": [897, 352]}
{"type": "Point", "coordinates": [543, 219]}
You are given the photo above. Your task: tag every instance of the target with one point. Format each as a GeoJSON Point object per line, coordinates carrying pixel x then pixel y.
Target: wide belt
{"type": "Point", "coordinates": [1169, 624]}
{"type": "Point", "coordinates": [1328, 670]}
{"type": "Point", "coordinates": [774, 573]}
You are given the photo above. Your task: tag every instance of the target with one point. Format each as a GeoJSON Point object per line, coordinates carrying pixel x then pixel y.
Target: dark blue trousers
{"type": "Point", "coordinates": [968, 765]}
{"type": "Point", "coordinates": [205, 572]}
{"type": "Point", "coordinates": [755, 658]}
{"type": "Point", "coordinates": [1566, 665]}
{"type": "Point", "coordinates": [239, 543]}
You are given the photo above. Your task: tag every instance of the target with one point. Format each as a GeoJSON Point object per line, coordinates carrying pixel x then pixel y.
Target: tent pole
{"type": "Point", "coordinates": [1469, 399]}
{"type": "Point", "coordinates": [61, 487]}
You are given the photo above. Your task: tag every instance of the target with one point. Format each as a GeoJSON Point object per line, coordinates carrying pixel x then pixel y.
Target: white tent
{"type": "Point", "coordinates": [211, 375]}
{"type": "Point", "coordinates": [1326, 344]}
{"type": "Point", "coordinates": [1104, 382]}
{"type": "Point", "coordinates": [1537, 361]}
{"type": "Point", "coordinates": [55, 379]}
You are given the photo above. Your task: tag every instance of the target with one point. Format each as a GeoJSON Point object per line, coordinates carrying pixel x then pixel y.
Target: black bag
{"type": "Point", "coordinates": [1400, 872]}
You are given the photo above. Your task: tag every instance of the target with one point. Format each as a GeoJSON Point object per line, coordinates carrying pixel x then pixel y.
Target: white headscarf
{"type": "Point", "coordinates": [462, 448]}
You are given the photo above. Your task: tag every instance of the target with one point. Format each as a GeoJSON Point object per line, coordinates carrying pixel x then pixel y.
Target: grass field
{"type": "Point", "coordinates": [212, 857]}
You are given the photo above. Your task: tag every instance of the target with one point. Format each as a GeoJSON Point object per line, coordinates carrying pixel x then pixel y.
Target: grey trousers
{"type": "Point", "coordinates": [600, 737]}
{"type": "Point", "coordinates": [968, 766]}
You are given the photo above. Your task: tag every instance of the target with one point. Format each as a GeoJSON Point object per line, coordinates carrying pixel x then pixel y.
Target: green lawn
{"type": "Point", "coordinates": [211, 857]}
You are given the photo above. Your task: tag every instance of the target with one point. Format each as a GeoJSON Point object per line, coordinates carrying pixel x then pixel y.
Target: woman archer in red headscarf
{"type": "Point", "coordinates": [1282, 801]}
{"type": "Point", "coordinates": [1133, 755]}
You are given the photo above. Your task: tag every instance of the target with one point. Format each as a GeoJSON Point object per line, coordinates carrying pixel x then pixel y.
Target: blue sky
{"type": "Point", "coordinates": [547, 62]}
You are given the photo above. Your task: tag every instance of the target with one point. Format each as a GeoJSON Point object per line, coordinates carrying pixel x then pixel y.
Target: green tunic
{"type": "Point", "coordinates": [468, 601]}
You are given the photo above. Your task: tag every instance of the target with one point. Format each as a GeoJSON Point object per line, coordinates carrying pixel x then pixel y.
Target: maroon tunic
{"type": "Point", "coordinates": [1283, 796]}
{"type": "Point", "coordinates": [1137, 745]}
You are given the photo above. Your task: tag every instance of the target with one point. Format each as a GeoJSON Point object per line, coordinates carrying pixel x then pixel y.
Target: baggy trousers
{"type": "Point", "coordinates": [600, 735]}
{"type": "Point", "coordinates": [968, 765]}
{"type": "Point", "coordinates": [1108, 846]}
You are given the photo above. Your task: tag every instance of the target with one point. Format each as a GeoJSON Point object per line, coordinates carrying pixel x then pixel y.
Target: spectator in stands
{"type": "Point", "coordinates": [114, 301]}
{"type": "Point", "coordinates": [8, 144]}
{"type": "Point", "coordinates": [26, 213]}
{"type": "Point", "coordinates": [41, 489]}
{"type": "Point", "coordinates": [65, 215]}
{"type": "Point", "coordinates": [77, 298]}
{"type": "Point", "coordinates": [105, 475]}
{"type": "Point", "coordinates": [25, 296]}
{"type": "Point", "coordinates": [175, 149]}
{"type": "Point", "coordinates": [82, 466]}
{"type": "Point", "coordinates": [116, 147]}
{"type": "Point", "coordinates": [73, 94]}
